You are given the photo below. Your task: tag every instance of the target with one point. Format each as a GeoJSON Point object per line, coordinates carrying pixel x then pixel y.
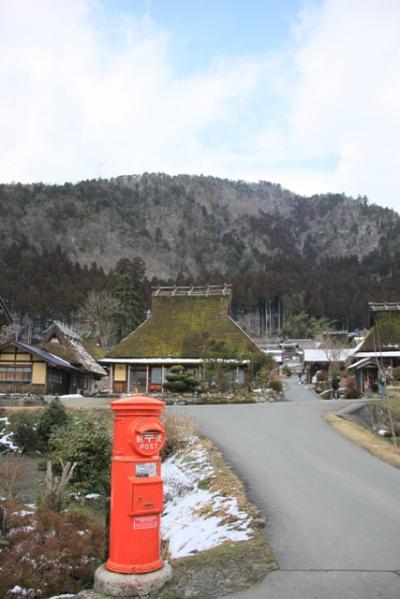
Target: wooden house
{"type": "Point", "coordinates": [64, 342]}
{"type": "Point", "coordinates": [29, 369]}
{"type": "Point", "coordinates": [182, 323]}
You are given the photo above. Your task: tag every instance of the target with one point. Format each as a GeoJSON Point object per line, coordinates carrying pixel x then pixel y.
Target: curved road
{"type": "Point", "coordinates": [333, 510]}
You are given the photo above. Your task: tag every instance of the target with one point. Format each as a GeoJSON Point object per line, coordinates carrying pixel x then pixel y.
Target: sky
{"type": "Point", "coordinates": [305, 93]}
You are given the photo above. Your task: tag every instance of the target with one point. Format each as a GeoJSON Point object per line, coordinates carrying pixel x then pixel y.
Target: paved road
{"type": "Point", "coordinates": [333, 509]}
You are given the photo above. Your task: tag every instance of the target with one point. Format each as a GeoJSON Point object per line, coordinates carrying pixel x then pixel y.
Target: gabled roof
{"type": "Point", "coordinates": [5, 316]}
{"type": "Point", "coordinates": [46, 356]}
{"type": "Point", "coordinates": [70, 347]}
{"type": "Point", "coordinates": [327, 355]}
{"type": "Point", "coordinates": [181, 326]}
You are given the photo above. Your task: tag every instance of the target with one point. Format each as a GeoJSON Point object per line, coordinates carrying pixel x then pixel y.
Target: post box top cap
{"type": "Point", "coordinates": [137, 401]}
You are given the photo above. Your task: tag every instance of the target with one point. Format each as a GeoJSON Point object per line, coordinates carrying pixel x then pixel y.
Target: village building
{"type": "Point", "coordinates": [182, 323]}
{"type": "Point", "coordinates": [316, 360]}
{"type": "Point", "coordinates": [28, 369]}
{"type": "Point", "coordinates": [64, 342]}
{"type": "Point", "coordinates": [379, 351]}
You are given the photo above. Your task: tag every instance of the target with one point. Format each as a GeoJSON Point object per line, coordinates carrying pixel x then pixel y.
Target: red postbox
{"type": "Point", "coordinates": [136, 486]}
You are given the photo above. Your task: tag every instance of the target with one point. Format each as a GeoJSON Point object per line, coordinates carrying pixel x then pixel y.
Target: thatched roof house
{"type": "Point", "coordinates": [384, 334]}
{"type": "Point", "coordinates": [183, 322]}
{"type": "Point", "coordinates": [380, 349]}
{"type": "Point", "coordinates": [61, 340]}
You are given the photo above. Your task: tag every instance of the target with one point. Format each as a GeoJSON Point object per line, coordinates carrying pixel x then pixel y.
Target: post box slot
{"type": "Point", "coordinates": [147, 497]}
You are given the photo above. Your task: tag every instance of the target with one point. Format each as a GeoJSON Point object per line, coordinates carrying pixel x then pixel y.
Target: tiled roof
{"type": "Point", "coordinates": [46, 356]}
{"type": "Point", "coordinates": [181, 326]}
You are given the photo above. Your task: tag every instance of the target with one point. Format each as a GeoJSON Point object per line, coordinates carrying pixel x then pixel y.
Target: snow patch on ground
{"type": "Point", "coordinates": [196, 518]}
{"type": "Point", "coordinates": [6, 441]}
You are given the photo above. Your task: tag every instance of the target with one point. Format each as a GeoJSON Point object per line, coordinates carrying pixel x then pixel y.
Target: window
{"type": "Point", "coordinates": [17, 373]}
{"type": "Point", "coordinates": [55, 377]}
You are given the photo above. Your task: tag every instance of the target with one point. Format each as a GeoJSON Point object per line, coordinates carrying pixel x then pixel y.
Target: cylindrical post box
{"type": "Point", "coordinates": [136, 486]}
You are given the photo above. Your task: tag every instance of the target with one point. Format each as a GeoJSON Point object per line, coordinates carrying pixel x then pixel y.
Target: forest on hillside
{"type": "Point", "coordinates": [326, 256]}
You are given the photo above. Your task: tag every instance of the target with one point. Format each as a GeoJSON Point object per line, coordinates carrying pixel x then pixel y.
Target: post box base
{"type": "Point", "coordinates": [113, 584]}
{"type": "Point", "coordinates": [136, 569]}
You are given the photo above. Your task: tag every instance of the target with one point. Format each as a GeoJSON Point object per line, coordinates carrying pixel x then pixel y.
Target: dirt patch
{"type": "Point", "coordinates": [365, 439]}
{"type": "Point", "coordinates": [229, 568]}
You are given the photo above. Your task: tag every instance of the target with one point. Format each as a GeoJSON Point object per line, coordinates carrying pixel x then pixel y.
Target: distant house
{"type": "Point", "coordinates": [62, 341]}
{"type": "Point", "coordinates": [380, 349]}
{"type": "Point", "coordinates": [29, 369]}
{"type": "Point", "coordinates": [321, 359]}
{"type": "Point", "coordinates": [182, 323]}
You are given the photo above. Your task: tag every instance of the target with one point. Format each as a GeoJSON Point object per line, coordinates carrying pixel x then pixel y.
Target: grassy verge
{"type": "Point", "coordinates": [365, 439]}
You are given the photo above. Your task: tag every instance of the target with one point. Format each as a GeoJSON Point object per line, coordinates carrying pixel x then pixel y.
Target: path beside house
{"type": "Point", "coordinates": [332, 508]}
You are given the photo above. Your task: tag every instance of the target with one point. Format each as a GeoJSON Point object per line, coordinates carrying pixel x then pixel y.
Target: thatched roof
{"type": "Point", "coordinates": [385, 332]}
{"type": "Point", "coordinates": [66, 343]}
{"type": "Point", "coordinates": [181, 326]}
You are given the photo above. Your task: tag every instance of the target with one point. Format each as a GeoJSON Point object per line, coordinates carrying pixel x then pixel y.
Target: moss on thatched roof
{"type": "Point", "coordinates": [181, 327]}
{"type": "Point", "coordinates": [385, 334]}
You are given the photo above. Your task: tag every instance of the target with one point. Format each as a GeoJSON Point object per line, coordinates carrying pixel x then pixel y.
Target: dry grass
{"type": "Point", "coordinates": [178, 429]}
{"type": "Point", "coordinates": [365, 439]}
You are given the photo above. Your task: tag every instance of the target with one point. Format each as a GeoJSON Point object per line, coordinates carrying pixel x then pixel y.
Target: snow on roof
{"type": "Point", "coordinates": [327, 355]}
{"type": "Point", "coordinates": [71, 347]}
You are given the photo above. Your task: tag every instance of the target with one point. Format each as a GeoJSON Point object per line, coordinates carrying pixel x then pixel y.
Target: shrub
{"type": "Point", "coordinates": [86, 441]}
{"type": "Point", "coordinates": [23, 426]}
{"type": "Point", "coordinates": [287, 371]}
{"type": "Point", "coordinates": [54, 416]}
{"type": "Point", "coordinates": [352, 393]}
{"type": "Point", "coordinates": [396, 373]}
{"type": "Point", "coordinates": [262, 361]}
{"type": "Point", "coordinates": [179, 380]}
{"type": "Point", "coordinates": [276, 385]}
{"type": "Point", "coordinates": [49, 554]}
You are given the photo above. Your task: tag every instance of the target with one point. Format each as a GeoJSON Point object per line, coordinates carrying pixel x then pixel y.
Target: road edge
{"type": "Point", "coordinates": [363, 437]}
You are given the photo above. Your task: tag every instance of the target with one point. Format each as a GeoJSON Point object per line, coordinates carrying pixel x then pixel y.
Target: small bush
{"type": "Point", "coordinates": [179, 380]}
{"type": "Point", "coordinates": [23, 426]}
{"type": "Point", "coordinates": [396, 373]}
{"type": "Point", "coordinates": [287, 371]}
{"type": "Point", "coordinates": [49, 554]}
{"type": "Point", "coordinates": [178, 431]}
{"type": "Point", "coordinates": [276, 385]}
{"type": "Point", "coordinates": [352, 393]}
{"type": "Point", "coordinates": [54, 416]}
{"type": "Point", "coordinates": [88, 443]}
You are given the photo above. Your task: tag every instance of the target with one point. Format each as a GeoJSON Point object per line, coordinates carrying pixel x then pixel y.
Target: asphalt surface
{"type": "Point", "coordinates": [333, 510]}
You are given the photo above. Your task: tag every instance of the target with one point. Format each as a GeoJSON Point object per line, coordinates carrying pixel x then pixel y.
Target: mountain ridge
{"type": "Point", "coordinates": [175, 223]}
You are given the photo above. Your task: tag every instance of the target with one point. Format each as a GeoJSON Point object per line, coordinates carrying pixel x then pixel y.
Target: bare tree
{"type": "Point", "coordinates": [98, 313]}
{"type": "Point", "coordinates": [54, 487]}
{"type": "Point", "coordinates": [13, 473]}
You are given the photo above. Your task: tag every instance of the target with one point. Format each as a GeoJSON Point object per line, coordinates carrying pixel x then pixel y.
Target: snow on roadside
{"type": "Point", "coordinates": [6, 439]}
{"type": "Point", "coordinates": [196, 518]}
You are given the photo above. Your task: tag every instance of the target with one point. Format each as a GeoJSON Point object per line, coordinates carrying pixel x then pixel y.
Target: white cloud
{"type": "Point", "coordinates": [79, 90]}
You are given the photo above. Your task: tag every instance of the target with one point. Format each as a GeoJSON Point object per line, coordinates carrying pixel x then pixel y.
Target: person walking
{"type": "Point", "coordinates": [335, 382]}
